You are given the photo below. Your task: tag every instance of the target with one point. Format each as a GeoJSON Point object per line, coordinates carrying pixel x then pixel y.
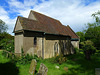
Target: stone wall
{"type": "Point", "coordinates": [62, 44]}
{"type": "Point", "coordinates": [30, 48]}
{"type": "Point", "coordinates": [75, 44]}
{"type": "Point", "coordinates": [46, 46]}
{"type": "Point", "coordinates": [18, 26]}
{"type": "Point", "coordinates": [18, 42]}
{"type": "Point", "coordinates": [28, 44]}
{"type": "Point", "coordinates": [49, 48]}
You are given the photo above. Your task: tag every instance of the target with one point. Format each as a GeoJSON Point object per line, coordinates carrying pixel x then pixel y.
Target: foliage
{"type": "Point", "coordinates": [59, 59]}
{"type": "Point", "coordinates": [87, 42]}
{"type": "Point", "coordinates": [36, 58]}
{"type": "Point", "coordinates": [97, 51]}
{"type": "Point", "coordinates": [3, 43]}
{"type": "Point", "coordinates": [76, 50]}
{"type": "Point", "coordinates": [81, 35]}
{"type": "Point", "coordinates": [6, 35]}
{"type": "Point", "coordinates": [91, 49]}
{"type": "Point", "coordinates": [23, 59]}
{"type": "Point", "coordinates": [75, 67]}
{"type": "Point", "coordinates": [7, 44]}
{"type": "Point", "coordinates": [3, 26]}
{"type": "Point", "coordinates": [88, 48]}
{"type": "Point", "coordinates": [93, 30]}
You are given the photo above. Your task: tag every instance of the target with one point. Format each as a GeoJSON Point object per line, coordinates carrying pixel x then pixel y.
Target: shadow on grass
{"type": "Point", "coordinates": [8, 68]}
{"type": "Point", "coordinates": [81, 66]}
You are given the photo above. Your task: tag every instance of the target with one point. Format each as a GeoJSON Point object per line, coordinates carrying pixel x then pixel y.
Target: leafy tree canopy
{"type": "Point", "coordinates": [93, 31]}
{"type": "Point", "coordinates": [3, 26]}
{"type": "Point", "coordinates": [81, 35]}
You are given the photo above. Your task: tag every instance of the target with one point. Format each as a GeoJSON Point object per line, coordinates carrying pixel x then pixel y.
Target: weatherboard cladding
{"type": "Point", "coordinates": [46, 24]}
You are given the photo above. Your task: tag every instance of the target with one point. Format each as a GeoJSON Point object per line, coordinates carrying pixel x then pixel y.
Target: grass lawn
{"type": "Point", "coordinates": [76, 64]}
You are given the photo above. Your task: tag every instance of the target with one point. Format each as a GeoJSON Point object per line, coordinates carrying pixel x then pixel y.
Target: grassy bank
{"type": "Point", "coordinates": [76, 64]}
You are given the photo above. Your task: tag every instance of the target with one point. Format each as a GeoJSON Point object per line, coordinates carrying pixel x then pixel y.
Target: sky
{"type": "Point", "coordinates": [75, 13]}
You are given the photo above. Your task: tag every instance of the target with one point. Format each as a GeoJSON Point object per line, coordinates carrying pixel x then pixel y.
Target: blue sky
{"type": "Point", "coordinates": [75, 13]}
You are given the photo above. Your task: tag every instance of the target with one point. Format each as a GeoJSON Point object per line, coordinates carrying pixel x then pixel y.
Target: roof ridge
{"type": "Point", "coordinates": [44, 15]}
{"type": "Point", "coordinates": [26, 18]}
{"type": "Point", "coordinates": [43, 23]}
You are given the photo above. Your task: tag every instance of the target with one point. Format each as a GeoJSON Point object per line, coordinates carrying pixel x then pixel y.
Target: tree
{"type": "Point", "coordinates": [81, 35]}
{"type": "Point", "coordinates": [6, 35]}
{"type": "Point", "coordinates": [93, 30]}
{"type": "Point", "coordinates": [3, 26]}
{"type": "Point", "coordinates": [89, 49]}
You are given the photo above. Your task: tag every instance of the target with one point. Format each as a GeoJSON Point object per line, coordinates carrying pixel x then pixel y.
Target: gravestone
{"type": "Point", "coordinates": [32, 67]}
{"type": "Point", "coordinates": [43, 69]}
{"type": "Point", "coordinates": [97, 71]}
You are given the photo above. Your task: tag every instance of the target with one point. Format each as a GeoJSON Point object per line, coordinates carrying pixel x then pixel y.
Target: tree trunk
{"type": "Point", "coordinates": [87, 55]}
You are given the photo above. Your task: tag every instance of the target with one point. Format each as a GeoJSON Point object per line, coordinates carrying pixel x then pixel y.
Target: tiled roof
{"type": "Point", "coordinates": [71, 32]}
{"type": "Point", "coordinates": [46, 24]}
{"type": "Point", "coordinates": [29, 24]}
{"type": "Point", "coordinates": [54, 26]}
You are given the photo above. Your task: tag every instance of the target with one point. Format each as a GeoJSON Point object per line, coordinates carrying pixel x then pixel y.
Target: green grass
{"type": "Point", "coordinates": [76, 64]}
{"type": "Point", "coordinates": [3, 59]}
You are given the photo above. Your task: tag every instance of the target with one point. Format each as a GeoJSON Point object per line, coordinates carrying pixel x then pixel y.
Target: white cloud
{"type": "Point", "coordinates": [30, 2]}
{"type": "Point", "coordinates": [10, 22]}
{"type": "Point", "coordinates": [3, 14]}
{"type": "Point", "coordinates": [70, 12]}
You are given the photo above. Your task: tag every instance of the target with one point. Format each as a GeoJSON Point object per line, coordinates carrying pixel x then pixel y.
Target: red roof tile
{"type": "Point", "coordinates": [71, 32]}
{"type": "Point", "coordinates": [46, 24]}
{"type": "Point", "coordinates": [54, 26]}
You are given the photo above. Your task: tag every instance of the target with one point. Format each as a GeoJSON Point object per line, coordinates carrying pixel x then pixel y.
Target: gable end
{"type": "Point", "coordinates": [18, 26]}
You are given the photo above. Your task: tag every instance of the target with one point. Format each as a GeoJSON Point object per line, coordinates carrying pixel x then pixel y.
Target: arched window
{"type": "Point", "coordinates": [35, 41]}
{"type": "Point", "coordinates": [56, 48]}
{"type": "Point", "coordinates": [65, 45]}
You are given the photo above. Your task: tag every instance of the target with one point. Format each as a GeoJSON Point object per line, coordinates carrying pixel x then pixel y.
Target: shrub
{"type": "Point", "coordinates": [7, 44]}
{"type": "Point", "coordinates": [3, 43]}
{"type": "Point", "coordinates": [36, 57]}
{"type": "Point", "coordinates": [97, 51]}
{"type": "Point", "coordinates": [60, 59]}
{"type": "Point", "coordinates": [10, 47]}
{"type": "Point", "coordinates": [89, 50]}
{"type": "Point", "coordinates": [4, 53]}
{"type": "Point", "coordinates": [76, 50]}
{"type": "Point", "coordinates": [25, 59]}
{"type": "Point", "coordinates": [80, 50]}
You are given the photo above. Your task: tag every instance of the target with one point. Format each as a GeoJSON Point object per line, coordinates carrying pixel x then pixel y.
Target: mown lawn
{"type": "Point", "coordinates": [76, 64]}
